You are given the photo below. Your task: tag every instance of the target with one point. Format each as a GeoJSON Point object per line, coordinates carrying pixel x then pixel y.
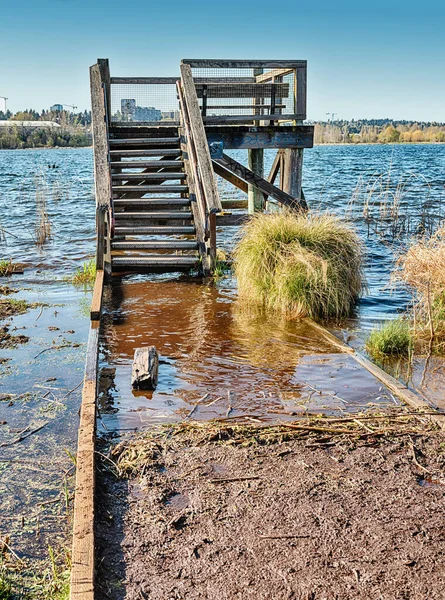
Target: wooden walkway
{"type": "Point", "coordinates": [158, 145]}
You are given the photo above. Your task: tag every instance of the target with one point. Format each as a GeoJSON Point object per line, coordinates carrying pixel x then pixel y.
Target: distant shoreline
{"type": "Point", "coordinates": [315, 145]}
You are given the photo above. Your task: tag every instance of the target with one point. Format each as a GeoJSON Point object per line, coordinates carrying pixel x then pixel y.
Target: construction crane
{"type": "Point", "coordinates": [70, 106]}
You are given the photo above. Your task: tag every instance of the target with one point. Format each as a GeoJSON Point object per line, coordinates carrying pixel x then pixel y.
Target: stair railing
{"type": "Point", "coordinates": [99, 78]}
{"type": "Point", "coordinates": [199, 164]}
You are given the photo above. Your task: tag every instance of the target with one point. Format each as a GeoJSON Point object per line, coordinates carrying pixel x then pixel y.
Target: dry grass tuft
{"type": "Point", "coordinates": [299, 265]}
{"type": "Point", "coordinates": [423, 268]}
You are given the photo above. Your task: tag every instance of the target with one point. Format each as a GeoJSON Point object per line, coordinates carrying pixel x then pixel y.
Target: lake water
{"type": "Point", "coordinates": [331, 174]}
{"type": "Point", "coordinates": [233, 365]}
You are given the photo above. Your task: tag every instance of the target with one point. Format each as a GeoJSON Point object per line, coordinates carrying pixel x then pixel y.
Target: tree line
{"type": "Point", "coordinates": [381, 131]}
{"type": "Point", "coordinates": [74, 129]}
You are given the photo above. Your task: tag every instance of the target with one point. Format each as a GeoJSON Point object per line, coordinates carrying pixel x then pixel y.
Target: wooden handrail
{"type": "Point", "coordinates": [100, 139]}
{"type": "Point", "coordinates": [194, 181]}
{"type": "Point", "coordinates": [198, 134]}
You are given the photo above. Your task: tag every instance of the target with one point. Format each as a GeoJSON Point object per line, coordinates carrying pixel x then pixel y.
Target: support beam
{"type": "Point", "coordinates": [264, 186]}
{"type": "Point", "coordinates": [293, 172]}
{"type": "Point", "coordinates": [243, 137]}
{"type": "Point", "coordinates": [256, 165]}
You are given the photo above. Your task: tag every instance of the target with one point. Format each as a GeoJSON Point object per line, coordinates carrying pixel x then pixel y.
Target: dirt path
{"type": "Point", "coordinates": [306, 518]}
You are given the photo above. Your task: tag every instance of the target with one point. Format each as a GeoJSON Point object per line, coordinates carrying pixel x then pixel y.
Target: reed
{"type": "Point", "coordinates": [85, 274]}
{"type": "Point", "coordinates": [7, 267]}
{"type": "Point", "coordinates": [42, 231]}
{"type": "Point", "coordinates": [393, 338]}
{"type": "Point", "coordinates": [299, 265]}
{"type": "Point", "coordinates": [422, 267]}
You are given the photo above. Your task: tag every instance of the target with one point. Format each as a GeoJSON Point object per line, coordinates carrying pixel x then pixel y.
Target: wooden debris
{"type": "Point", "coordinates": [144, 375]}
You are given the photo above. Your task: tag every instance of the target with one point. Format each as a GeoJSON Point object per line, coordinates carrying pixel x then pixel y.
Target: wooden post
{"type": "Point", "coordinates": [102, 179]}
{"type": "Point", "coordinates": [293, 171]}
{"type": "Point", "coordinates": [256, 164]}
{"type": "Point", "coordinates": [212, 241]}
{"type": "Point", "coordinates": [255, 159]}
{"type": "Point", "coordinates": [104, 69]}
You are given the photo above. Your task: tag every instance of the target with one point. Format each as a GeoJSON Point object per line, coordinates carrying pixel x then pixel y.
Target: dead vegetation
{"type": "Point", "coordinates": [146, 448]}
{"type": "Point", "coordinates": [422, 267]}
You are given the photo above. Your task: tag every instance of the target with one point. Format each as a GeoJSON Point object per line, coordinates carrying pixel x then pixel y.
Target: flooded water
{"type": "Point", "coordinates": [216, 360]}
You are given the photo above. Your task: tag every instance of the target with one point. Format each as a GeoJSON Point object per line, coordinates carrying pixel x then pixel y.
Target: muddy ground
{"type": "Point", "coordinates": [304, 518]}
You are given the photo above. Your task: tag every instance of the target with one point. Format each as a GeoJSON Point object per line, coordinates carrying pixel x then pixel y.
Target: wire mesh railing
{"type": "Point", "coordinates": [250, 91]}
{"type": "Point", "coordinates": [148, 100]}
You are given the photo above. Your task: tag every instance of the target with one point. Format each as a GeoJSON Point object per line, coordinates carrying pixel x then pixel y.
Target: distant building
{"type": "Point", "coordinates": [170, 115]}
{"type": "Point", "coordinates": [147, 113]}
{"type": "Point", "coordinates": [56, 108]}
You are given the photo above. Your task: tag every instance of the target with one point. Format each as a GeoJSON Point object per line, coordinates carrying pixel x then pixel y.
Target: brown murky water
{"type": "Point", "coordinates": [217, 361]}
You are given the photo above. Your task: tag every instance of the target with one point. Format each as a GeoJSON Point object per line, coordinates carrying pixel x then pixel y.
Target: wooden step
{"type": "Point", "coordinates": [155, 230]}
{"type": "Point", "coordinates": [155, 245]}
{"type": "Point", "coordinates": [156, 142]}
{"type": "Point", "coordinates": [144, 164]}
{"type": "Point", "coordinates": [159, 215]}
{"type": "Point", "coordinates": [150, 202]}
{"type": "Point", "coordinates": [146, 152]}
{"type": "Point", "coordinates": [142, 176]}
{"type": "Point", "coordinates": [160, 260]}
{"type": "Point", "coordinates": [150, 189]}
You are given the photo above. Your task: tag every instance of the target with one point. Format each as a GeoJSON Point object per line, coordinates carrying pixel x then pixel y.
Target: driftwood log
{"type": "Point", "coordinates": [144, 375]}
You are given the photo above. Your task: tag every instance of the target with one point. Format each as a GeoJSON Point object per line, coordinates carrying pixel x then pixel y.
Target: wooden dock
{"type": "Point", "coordinates": [155, 180]}
{"type": "Point", "coordinates": [159, 143]}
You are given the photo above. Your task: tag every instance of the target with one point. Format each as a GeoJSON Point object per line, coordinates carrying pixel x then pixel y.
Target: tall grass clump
{"type": "Point", "coordinates": [393, 338]}
{"type": "Point", "coordinates": [299, 265]}
{"type": "Point", "coordinates": [422, 267]}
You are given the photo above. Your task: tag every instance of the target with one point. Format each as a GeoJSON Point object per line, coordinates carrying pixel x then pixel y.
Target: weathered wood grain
{"type": "Point", "coordinates": [96, 303]}
{"type": "Point", "coordinates": [232, 178]}
{"type": "Point", "coordinates": [243, 137]}
{"type": "Point", "coordinates": [100, 139]}
{"type": "Point", "coordinates": [293, 172]}
{"type": "Point", "coordinates": [144, 373]}
{"type": "Point", "coordinates": [200, 141]}
{"type": "Point", "coordinates": [228, 119]}
{"type": "Point", "coordinates": [261, 184]}
{"type": "Point", "coordinates": [214, 63]}
{"type": "Point", "coordinates": [82, 569]}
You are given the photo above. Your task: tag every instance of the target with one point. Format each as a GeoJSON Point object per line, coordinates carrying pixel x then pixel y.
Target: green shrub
{"type": "Point", "coordinates": [299, 265]}
{"type": "Point", "coordinates": [393, 338]}
{"type": "Point", "coordinates": [86, 273]}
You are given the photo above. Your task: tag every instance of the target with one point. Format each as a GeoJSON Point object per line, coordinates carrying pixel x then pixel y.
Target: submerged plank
{"type": "Point", "coordinates": [82, 570]}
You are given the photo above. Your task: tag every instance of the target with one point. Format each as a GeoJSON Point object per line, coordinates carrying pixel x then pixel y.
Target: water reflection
{"type": "Point", "coordinates": [217, 361]}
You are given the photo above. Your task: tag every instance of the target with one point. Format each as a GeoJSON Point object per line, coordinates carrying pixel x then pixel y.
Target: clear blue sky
{"type": "Point", "coordinates": [365, 59]}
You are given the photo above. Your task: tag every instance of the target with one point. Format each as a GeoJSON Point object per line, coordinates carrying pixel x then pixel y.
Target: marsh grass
{"type": "Point", "coordinates": [7, 267]}
{"type": "Point", "coordinates": [393, 338]}
{"type": "Point", "coordinates": [222, 266]}
{"type": "Point", "coordinates": [85, 274]}
{"type": "Point", "coordinates": [422, 267]}
{"type": "Point", "coordinates": [385, 203]}
{"type": "Point", "coordinates": [42, 230]}
{"type": "Point", "coordinates": [299, 265]}
{"type": "Point", "coordinates": [19, 580]}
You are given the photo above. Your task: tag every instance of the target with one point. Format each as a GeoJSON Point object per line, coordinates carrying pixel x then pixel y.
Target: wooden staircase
{"type": "Point", "coordinates": [153, 220]}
